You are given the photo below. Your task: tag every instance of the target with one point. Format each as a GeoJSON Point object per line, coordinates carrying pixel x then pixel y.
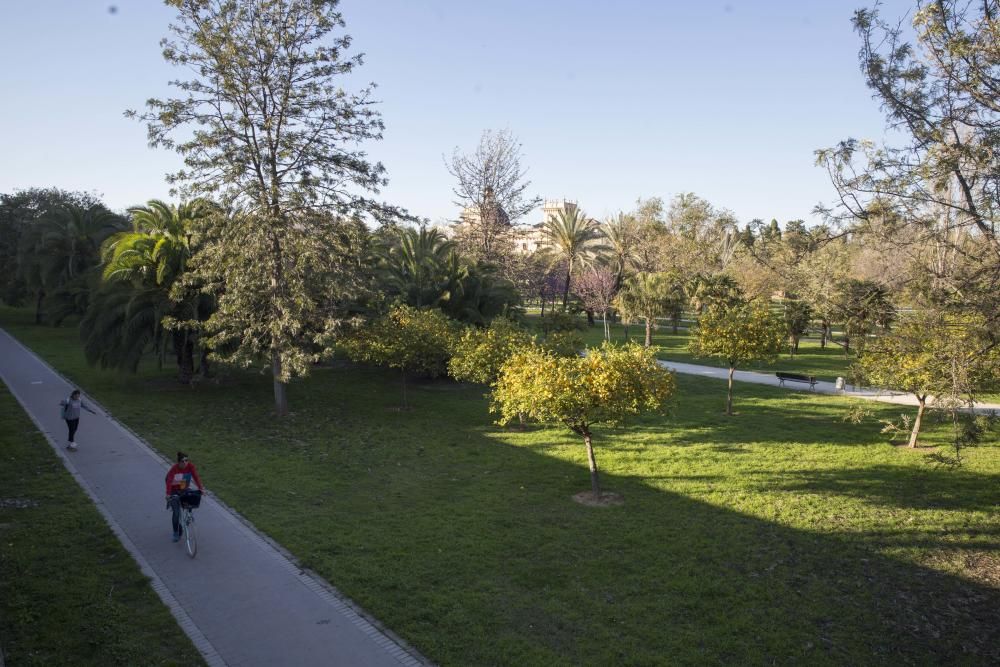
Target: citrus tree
{"type": "Point", "coordinates": [738, 334]}
{"type": "Point", "coordinates": [930, 354]}
{"type": "Point", "coordinates": [478, 354]}
{"type": "Point", "coordinates": [606, 386]}
{"type": "Point", "coordinates": [409, 339]}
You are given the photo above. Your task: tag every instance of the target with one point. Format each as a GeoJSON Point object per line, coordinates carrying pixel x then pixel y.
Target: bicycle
{"type": "Point", "coordinates": [189, 500]}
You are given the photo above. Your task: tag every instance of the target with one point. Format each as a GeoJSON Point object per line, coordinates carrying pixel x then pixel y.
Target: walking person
{"type": "Point", "coordinates": [71, 414]}
{"type": "Point", "coordinates": [179, 479]}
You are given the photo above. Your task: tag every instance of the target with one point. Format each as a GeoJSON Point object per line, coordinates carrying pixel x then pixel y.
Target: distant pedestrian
{"type": "Point", "coordinates": [71, 413]}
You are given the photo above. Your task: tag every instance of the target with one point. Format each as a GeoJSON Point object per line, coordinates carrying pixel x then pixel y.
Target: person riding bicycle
{"type": "Point", "coordinates": [179, 479]}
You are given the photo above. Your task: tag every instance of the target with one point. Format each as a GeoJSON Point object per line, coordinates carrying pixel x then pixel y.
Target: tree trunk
{"type": "Point", "coordinates": [922, 400]}
{"type": "Point", "coordinates": [595, 483]}
{"type": "Point", "coordinates": [590, 318]}
{"type": "Point", "coordinates": [676, 320]}
{"type": "Point", "coordinates": [543, 307]}
{"type": "Point", "coordinates": [649, 332]}
{"type": "Point", "coordinates": [607, 329]}
{"type": "Point", "coordinates": [280, 389]}
{"type": "Point", "coordinates": [569, 275]}
{"type": "Point", "coordinates": [825, 326]}
{"type": "Point", "coordinates": [797, 343]}
{"type": "Point", "coordinates": [729, 396]}
{"type": "Point", "coordinates": [277, 292]}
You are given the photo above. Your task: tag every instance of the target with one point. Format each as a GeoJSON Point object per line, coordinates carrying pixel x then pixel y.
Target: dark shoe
{"type": "Point", "coordinates": [177, 536]}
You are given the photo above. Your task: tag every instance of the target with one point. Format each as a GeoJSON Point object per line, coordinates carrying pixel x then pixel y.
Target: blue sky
{"type": "Point", "coordinates": [611, 101]}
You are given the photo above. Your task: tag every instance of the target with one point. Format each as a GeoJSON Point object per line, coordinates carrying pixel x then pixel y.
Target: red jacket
{"type": "Point", "coordinates": [179, 479]}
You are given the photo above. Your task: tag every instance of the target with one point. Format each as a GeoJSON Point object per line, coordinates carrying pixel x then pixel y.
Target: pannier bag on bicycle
{"type": "Point", "coordinates": [191, 498]}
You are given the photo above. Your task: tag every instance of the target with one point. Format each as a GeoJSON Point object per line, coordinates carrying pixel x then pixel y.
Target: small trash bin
{"type": "Point", "coordinates": [840, 384]}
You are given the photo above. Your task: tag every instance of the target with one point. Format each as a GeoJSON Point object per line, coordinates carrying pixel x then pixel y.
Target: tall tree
{"type": "Point", "coordinates": [492, 186]}
{"type": "Point", "coordinates": [939, 86]}
{"type": "Point", "coordinates": [275, 136]}
{"type": "Point", "coordinates": [571, 238]}
{"type": "Point", "coordinates": [621, 240]}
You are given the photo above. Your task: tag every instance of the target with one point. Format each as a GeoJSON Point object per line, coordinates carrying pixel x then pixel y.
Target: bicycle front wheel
{"type": "Point", "coordinates": [190, 534]}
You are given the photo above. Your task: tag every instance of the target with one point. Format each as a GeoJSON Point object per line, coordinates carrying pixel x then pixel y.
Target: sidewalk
{"type": "Point", "coordinates": [821, 387]}
{"type": "Point", "coordinates": [241, 600]}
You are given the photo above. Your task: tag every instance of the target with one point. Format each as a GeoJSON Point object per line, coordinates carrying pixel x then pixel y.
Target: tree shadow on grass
{"type": "Point", "coordinates": [668, 579]}
{"type": "Point", "coordinates": [478, 539]}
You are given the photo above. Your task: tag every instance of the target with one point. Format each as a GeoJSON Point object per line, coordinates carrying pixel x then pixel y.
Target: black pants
{"type": "Point", "coordinates": [175, 506]}
{"type": "Point", "coordinates": [72, 424]}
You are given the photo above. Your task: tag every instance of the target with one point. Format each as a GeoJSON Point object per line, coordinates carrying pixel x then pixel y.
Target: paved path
{"type": "Point", "coordinates": [821, 387]}
{"type": "Point", "coordinates": [241, 601]}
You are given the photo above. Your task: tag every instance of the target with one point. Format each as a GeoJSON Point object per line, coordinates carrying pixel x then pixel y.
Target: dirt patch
{"type": "Point", "coordinates": [606, 499]}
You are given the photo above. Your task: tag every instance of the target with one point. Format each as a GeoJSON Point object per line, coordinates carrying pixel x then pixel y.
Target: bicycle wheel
{"type": "Point", "coordinates": [190, 535]}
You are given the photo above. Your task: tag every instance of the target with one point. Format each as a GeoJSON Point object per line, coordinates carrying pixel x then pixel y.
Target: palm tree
{"type": "Point", "coordinates": [621, 237]}
{"type": "Point", "coordinates": [415, 265]}
{"type": "Point", "coordinates": [57, 253]}
{"type": "Point", "coordinates": [141, 267]}
{"type": "Point", "coordinates": [573, 238]}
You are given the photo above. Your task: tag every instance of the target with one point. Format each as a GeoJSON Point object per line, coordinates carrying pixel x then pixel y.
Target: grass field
{"type": "Point", "coordinates": [781, 535]}
{"type": "Point", "coordinates": [825, 363]}
{"type": "Point", "coordinates": [69, 592]}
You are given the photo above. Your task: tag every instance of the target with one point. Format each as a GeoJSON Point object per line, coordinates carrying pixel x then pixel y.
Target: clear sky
{"type": "Point", "coordinates": [611, 100]}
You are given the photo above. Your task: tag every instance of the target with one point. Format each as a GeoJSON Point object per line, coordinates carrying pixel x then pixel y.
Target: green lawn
{"type": "Point", "coordinates": [825, 363]}
{"type": "Point", "coordinates": [780, 535]}
{"type": "Point", "coordinates": [69, 592]}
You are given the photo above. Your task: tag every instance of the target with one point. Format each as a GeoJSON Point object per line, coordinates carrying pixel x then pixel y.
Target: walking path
{"type": "Point", "coordinates": [242, 601]}
{"type": "Point", "coordinates": [821, 386]}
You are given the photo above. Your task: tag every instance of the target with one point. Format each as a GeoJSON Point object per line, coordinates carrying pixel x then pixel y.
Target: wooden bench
{"type": "Point", "coordinates": [795, 377]}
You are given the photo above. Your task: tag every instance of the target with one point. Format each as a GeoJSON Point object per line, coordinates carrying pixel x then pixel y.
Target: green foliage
{"type": "Point", "coordinates": [558, 321]}
{"type": "Point", "coordinates": [421, 268]}
{"type": "Point", "coordinates": [478, 354]}
{"type": "Point", "coordinates": [649, 296]}
{"type": "Point", "coordinates": [714, 291]}
{"type": "Point", "coordinates": [417, 341]}
{"type": "Point", "coordinates": [287, 163]}
{"type": "Point", "coordinates": [563, 343]}
{"type": "Point", "coordinates": [739, 334]}
{"type": "Point", "coordinates": [59, 252]}
{"type": "Point", "coordinates": [143, 295]}
{"type": "Point", "coordinates": [572, 239]}
{"type": "Point", "coordinates": [934, 354]}
{"type": "Point", "coordinates": [287, 324]}
{"type": "Point", "coordinates": [798, 315]}
{"type": "Point", "coordinates": [862, 306]}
